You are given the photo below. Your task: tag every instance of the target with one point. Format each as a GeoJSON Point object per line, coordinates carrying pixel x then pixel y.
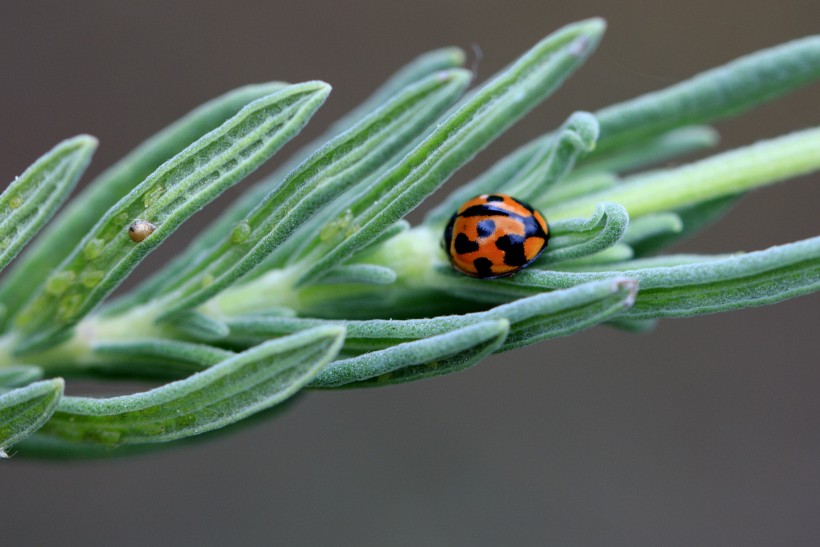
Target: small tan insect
{"type": "Point", "coordinates": [140, 229]}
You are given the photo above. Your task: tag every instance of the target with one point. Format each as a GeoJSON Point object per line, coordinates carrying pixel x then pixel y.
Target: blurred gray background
{"type": "Point", "coordinates": [706, 431]}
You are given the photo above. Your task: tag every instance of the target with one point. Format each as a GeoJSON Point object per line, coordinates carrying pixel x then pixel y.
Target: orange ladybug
{"type": "Point", "coordinates": [494, 235]}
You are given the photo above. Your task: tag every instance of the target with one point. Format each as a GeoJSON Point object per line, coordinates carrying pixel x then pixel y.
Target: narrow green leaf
{"type": "Point", "coordinates": [223, 394]}
{"type": "Point", "coordinates": [490, 111]}
{"type": "Point", "coordinates": [652, 150]}
{"type": "Point", "coordinates": [732, 172]}
{"type": "Point", "coordinates": [48, 447]}
{"type": "Point", "coordinates": [427, 357]}
{"type": "Point", "coordinates": [24, 410]}
{"type": "Point", "coordinates": [512, 167]}
{"type": "Point", "coordinates": [33, 197]}
{"type": "Point", "coordinates": [166, 350]}
{"type": "Point", "coordinates": [532, 319]}
{"type": "Point", "coordinates": [174, 192]}
{"type": "Point", "coordinates": [531, 179]}
{"type": "Point", "coordinates": [71, 225]}
{"type": "Point", "coordinates": [738, 281]}
{"type": "Point", "coordinates": [617, 253]}
{"type": "Point", "coordinates": [200, 326]}
{"type": "Point", "coordinates": [693, 219]}
{"type": "Point", "coordinates": [319, 180]}
{"type": "Point", "coordinates": [652, 226]}
{"type": "Point", "coordinates": [636, 326]}
{"type": "Point", "coordinates": [154, 359]}
{"type": "Point", "coordinates": [573, 187]}
{"type": "Point", "coordinates": [575, 238]}
{"type": "Point", "coordinates": [718, 93]}
{"type": "Point", "coordinates": [440, 60]}
{"type": "Point", "coordinates": [754, 279]}
{"type": "Point", "coordinates": [715, 94]}
{"type": "Point", "coordinates": [391, 355]}
{"type": "Point", "coordinates": [360, 273]}
{"type": "Point", "coordinates": [19, 375]}
{"type": "Point", "coordinates": [423, 66]}
{"type": "Point", "coordinates": [577, 137]}
{"type": "Point", "coordinates": [661, 261]}
{"type": "Point", "coordinates": [417, 70]}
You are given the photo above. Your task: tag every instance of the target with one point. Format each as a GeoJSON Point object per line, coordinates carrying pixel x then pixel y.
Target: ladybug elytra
{"type": "Point", "coordinates": [494, 235]}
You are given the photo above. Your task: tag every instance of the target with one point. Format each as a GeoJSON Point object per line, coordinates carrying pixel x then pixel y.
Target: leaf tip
{"type": "Point", "coordinates": [590, 32]}
{"type": "Point", "coordinates": [319, 87]}
{"type": "Point", "coordinates": [85, 140]}
{"type": "Point", "coordinates": [455, 75]}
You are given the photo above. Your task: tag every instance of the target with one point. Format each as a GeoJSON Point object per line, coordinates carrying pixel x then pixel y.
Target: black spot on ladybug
{"type": "Point", "coordinates": [495, 198]}
{"type": "Point", "coordinates": [483, 267]}
{"type": "Point", "coordinates": [513, 247]}
{"type": "Point", "coordinates": [463, 244]}
{"type": "Point", "coordinates": [485, 228]}
{"type": "Point", "coordinates": [532, 228]}
{"type": "Point", "coordinates": [483, 211]}
{"type": "Point", "coordinates": [448, 233]}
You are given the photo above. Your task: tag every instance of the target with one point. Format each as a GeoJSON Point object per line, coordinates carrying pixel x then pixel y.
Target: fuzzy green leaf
{"type": "Point", "coordinates": [361, 273]}
{"type": "Point", "coordinates": [529, 180]}
{"type": "Point", "coordinates": [573, 187]}
{"type": "Point", "coordinates": [693, 219]}
{"type": "Point", "coordinates": [19, 375]}
{"type": "Point", "coordinates": [199, 326]}
{"type": "Point", "coordinates": [575, 238]}
{"type": "Point", "coordinates": [652, 150]}
{"type": "Point", "coordinates": [490, 111]}
{"type": "Point", "coordinates": [154, 359]}
{"type": "Point", "coordinates": [652, 226]}
{"type": "Point", "coordinates": [615, 254]}
{"type": "Point", "coordinates": [535, 318]}
{"type": "Point", "coordinates": [33, 197]}
{"type": "Point", "coordinates": [715, 94]}
{"type": "Point", "coordinates": [24, 410]}
{"type": "Point", "coordinates": [174, 192]}
{"type": "Point", "coordinates": [734, 282]}
{"type": "Point", "coordinates": [423, 358]}
{"type": "Point", "coordinates": [320, 179]}
{"type": "Point", "coordinates": [732, 172]}
{"type": "Point", "coordinates": [577, 137]}
{"type": "Point", "coordinates": [440, 60]}
{"type": "Point", "coordinates": [403, 351]}
{"type": "Point", "coordinates": [72, 224]}
{"type": "Point", "coordinates": [417, 70]}
{"type": "Point", "coordinates": [223, 394]}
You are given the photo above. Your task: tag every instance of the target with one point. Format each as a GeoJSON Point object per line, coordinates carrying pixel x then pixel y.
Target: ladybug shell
{"type": "Point", "coordinates": [494, 235]}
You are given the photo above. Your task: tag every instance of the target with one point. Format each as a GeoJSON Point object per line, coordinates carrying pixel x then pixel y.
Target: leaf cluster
{"type": "Point", "coordinates": [313, 279]}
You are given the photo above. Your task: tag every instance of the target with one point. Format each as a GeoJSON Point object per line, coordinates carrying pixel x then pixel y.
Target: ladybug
{"type": "Point", "coordinates": [494, 235]}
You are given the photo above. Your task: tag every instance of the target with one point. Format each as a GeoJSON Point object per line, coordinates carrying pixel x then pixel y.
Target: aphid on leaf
{"type": "Point", "coordinates": [140, 229]}
{"type": "Point", "coordinates": [494, 235]}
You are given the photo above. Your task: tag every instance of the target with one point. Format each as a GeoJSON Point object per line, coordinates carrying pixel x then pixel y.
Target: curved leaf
{"type": "Point", "coordinates": [64, 233]}
{"type": "Point", "coordinates": [576, 238]}
{"type": "Point", "coordinates": [173, 193]}
{"type": "Point", "coordinates": [33, 197]}
{"type": "Point", "coordinates": [225, 393]}
{"type": "Point", "coordinates": [24, 410]}
{"type": "Point", "coordinates": [734, 282]}
{"type": "Point", "coordinates": [319, 180]}
{"type": "Point", "coordinates": [417, 70]}
{"type": "Point", "coordinates": [721, 175]}
{"type": "Point", "coordinates": [490, 111]}
{"type": "Point", "coordinates": [527, 180]}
